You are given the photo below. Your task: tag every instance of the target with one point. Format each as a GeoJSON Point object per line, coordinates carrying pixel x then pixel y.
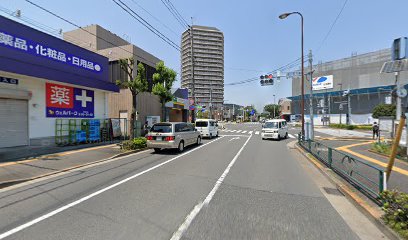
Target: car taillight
{"type": "Point", "coordinates": [169, 138]}
{"type": "Point", "coordinates": [149, 138]}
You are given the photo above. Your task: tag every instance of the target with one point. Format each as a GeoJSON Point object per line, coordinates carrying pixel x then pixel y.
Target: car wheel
{"type": "Point", "coordinates": [157, 150]}
{"type": "Point", "coordinates": [286, 136]}
{"type": "Point", "coordinates": [279, 137]}
{"type": "Point", "coordinates": [198, 140]}
{"type": "Point", "coordinates": [181, 146]}
{"type": "Point", "coordinates": [210, 135]}
{"type": "Point", "coordinates": [217, 134]}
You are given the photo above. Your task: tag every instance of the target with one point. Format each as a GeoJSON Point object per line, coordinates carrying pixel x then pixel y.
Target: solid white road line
{"type": "Point", "coordinates": [257, 132]}
{"type": "Point", "coordinates": [291, 136]}
{"type": "Point", "coordinates": [235, 135]}
{"type": "Point", "coordinates": [244, 131]}
{"type": "Point", "coordinates": [56, 211]}
{"type": "Point", "coordinates": [190, 217]}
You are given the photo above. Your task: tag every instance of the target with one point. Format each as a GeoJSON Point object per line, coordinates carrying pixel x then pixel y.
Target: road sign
{"type": "Point", "coordinates": [293, 74]}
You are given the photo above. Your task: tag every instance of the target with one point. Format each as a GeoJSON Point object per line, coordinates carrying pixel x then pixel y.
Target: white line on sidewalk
{"type": "Point", "coordinates": [257, 132]}
{"type": "Point", "coordinates": [190, 217]}
{"type": "Point", "coordinates": [63, 208]}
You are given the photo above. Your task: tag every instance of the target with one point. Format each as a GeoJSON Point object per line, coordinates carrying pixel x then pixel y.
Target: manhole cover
{"type": "Point", "coordinates": [333, 191]}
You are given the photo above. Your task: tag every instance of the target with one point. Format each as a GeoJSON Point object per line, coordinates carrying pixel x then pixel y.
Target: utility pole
{"type": "Point", "coordinates": [341, 99]}
{"type": "Point", "coordinates": [311, 95]}
{"type": "Point", "coordinates": [211, 115]}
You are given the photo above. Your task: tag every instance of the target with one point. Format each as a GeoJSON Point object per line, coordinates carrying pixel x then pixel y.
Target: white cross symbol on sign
{"type": "Point", "coordinates": [83, 98]}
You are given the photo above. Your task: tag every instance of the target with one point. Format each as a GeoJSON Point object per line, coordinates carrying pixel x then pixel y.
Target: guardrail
{"type": "Point", "coordinates": [367, 178]}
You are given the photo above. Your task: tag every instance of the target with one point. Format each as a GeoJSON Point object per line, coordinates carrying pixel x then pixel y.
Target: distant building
{"type": "Point", "coordinates": [208, 63]}
{"type": "Point", "coordinates": [231, 112]}
{"type": "Point", "coordinates": [285, 108]}
{"type": "Point", "coordinates": [115, 48]}
{"type": "Point", "coordinates": [354, 80]}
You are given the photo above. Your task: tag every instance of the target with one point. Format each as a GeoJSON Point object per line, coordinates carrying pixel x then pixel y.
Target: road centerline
{"type": "Point", "coordinates": [197, 208]}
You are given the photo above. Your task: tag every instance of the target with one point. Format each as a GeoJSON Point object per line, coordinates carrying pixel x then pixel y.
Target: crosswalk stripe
{"type": "Point", "coordinates": [257, 132]}
{"type": "Point", "coordinates": [250, 132]}
{"type": "Point", "coordinates": [239, 131]}
{"type": "Point", "coordinates": [244, 131]}
{"type": "Point", "coordinates": [233, 130]}
{"type": "Point", "coordinates": [291, 136]}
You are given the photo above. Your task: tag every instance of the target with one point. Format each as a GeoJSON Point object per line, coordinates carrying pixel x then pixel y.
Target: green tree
{"type": "Point", "coordinates": [163, 81]}
{"type": "Point", "coordinates": [272, 108]}
{"type": "Point", "coordinates": [136, 84]}
{"type": "Point", "coordinates": [384, 110]}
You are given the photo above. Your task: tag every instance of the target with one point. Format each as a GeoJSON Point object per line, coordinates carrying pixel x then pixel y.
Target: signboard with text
{"type": "Point", "coordinates": [68, 102]}
{"type": "Point", "coordinates": [27, 51]}
{"type": "Point", "coordinates": [323, 82]}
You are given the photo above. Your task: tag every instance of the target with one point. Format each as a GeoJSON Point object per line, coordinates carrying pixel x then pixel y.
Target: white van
{"type": "Point", "coordinates": [207, 127]}
{"type": "Point", "coordinates": [275, 129]}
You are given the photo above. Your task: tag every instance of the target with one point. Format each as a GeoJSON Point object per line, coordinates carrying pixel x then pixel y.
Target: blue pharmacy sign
{"type": "Point", "coordinates": [24, 50]}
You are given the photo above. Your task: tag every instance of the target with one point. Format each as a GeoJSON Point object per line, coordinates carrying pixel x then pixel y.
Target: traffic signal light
{"type": "Point", "coordinates": [266, 80]}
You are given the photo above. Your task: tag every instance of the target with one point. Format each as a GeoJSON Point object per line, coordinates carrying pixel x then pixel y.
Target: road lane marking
{"type": "Point", "coordinates": [239, 131]}
{"type": "Point", "coordinates": [234, 135]}
{"type": "Point", "coordinates": [369, 159]}
{"type": "Point", "coordinates": [291, 136]}
{"type": "Point", "coordinates": [250, 132]}
{"type": "Point", "coordinates": [244, 131]}
{"type": "Point", "coordinates": [257, 132]}
{"type": "Point", "coordinates": [234, 138]}
{"type": "Point", "coordinates": [190, 217]}
{"type": "Point", "coordinates": [233, 130]}
{"type": "Point", "coordinates": [72, 204]}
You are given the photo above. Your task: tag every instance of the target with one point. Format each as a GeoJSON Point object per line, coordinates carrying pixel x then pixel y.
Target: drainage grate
{"type": "Point", "coordinates": [333, 191]}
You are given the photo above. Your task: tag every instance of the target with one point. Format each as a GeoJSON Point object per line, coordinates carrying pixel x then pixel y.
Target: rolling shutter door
{"type": "Point", "coordinates": [13, 122]}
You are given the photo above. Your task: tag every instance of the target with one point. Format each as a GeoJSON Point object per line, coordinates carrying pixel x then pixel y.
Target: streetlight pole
{"type": "Point", "coordinates": [283, 16]}
{"type": "Point", "coordinates": [273, 106]}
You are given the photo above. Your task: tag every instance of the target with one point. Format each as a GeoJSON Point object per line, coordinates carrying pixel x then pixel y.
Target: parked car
{"type": "Point", "coordinates": [174, 135]}
{"type": "Point", "coordinates": [207, 127]}
{"type": "Point", "coordinates": [275, 129]}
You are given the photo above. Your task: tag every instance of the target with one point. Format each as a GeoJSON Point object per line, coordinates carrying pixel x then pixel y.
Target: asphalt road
{"type": "Point", "coordinates": [235, 186]}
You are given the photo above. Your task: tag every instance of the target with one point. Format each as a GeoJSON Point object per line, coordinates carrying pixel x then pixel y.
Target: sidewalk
{"type": "Point", "coordinates": [19, 171]}
{"type": "Point", "coordinates": [343, 133]}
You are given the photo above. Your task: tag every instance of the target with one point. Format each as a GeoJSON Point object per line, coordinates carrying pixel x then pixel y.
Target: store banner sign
{"type": "Point", "coordinates": [68, 102]}
{"type": "Point", "coordinates": [323, 82]}
{"type": "Point", "coordinates": [38, 49]}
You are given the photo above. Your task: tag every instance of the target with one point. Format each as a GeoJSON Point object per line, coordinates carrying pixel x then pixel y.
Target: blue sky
{"type": "Point", "coordinates": [255, 39]}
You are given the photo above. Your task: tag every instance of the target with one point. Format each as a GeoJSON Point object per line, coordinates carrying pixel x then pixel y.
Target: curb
{"type": "Point", "coordinates": [374, 214]}
{"type": "Point", "coordinates": [5, 184]}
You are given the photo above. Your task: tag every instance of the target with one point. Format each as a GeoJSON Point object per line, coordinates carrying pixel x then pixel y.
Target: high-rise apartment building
{"type": "Point", "coordinates": [202, 65]}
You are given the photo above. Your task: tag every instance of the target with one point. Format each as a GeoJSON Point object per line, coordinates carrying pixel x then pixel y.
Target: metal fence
{"type": "Point", "coordinates": [367, 178]}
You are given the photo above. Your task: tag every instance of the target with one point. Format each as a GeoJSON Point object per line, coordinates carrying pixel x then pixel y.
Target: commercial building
{"type": "Point", "coordinates": [347, 90]}
{"type": "Point", "coordinates": [202, 65]}
{"type": "Point", "coordinates": [99, 40]}
{"type": "Point", "coordinates": [177, 109]}
{"type": "Point", "coordinates": [232, 112]}
{"type": "Point", "coordinates": [43, 78]}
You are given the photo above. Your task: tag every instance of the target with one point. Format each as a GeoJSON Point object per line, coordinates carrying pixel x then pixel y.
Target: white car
{"type": "Point", "coordinates": [207, 127]}
{"type": "Point", "coordinates": [275, 129]}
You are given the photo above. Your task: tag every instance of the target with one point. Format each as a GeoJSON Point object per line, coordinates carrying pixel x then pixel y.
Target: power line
{"type": "Point", "coordinates": [141, 20]}
{"type": "Point", "coordinates": [332, 26]}
{"type": "Point", "coordinates": [177, 12]}
{"type": "Point", "coordinates": [83, 29]}
{"type": "Point", "coordinates": [175, 15]}
{"type": "Point", "coordinates": [282, 68]}
{"type": "Point", "coordinates": [155, 18]}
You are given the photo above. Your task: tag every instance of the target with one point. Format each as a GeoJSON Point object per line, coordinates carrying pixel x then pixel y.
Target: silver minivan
{"type": "Point", "coordinates": [176, 135]}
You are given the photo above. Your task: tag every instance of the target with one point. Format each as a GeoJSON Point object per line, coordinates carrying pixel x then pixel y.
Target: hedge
{"type": "Point", "coordinates": [137, 143]}
{"type": "Point", "coordinates": [395, 206]}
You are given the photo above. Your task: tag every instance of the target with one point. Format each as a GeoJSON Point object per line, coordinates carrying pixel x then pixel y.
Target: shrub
{"type": "Point", "coordinates": [395, 206]}
{"type": "Point", "coordinates": [384, 110]}
{"type": "Point", "coordinates": [136, 143]}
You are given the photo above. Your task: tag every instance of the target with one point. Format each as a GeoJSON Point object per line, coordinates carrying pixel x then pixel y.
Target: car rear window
{"type": "Point", "coordinates": [201, 124]}
{"type": "Point", "coordinates": [162, 128]}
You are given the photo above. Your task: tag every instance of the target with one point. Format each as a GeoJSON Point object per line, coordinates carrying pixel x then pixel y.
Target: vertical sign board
{"type": "Point", "coordinates": [323, 82]}
{"type": "Point", "coordinates": [68, 102]}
